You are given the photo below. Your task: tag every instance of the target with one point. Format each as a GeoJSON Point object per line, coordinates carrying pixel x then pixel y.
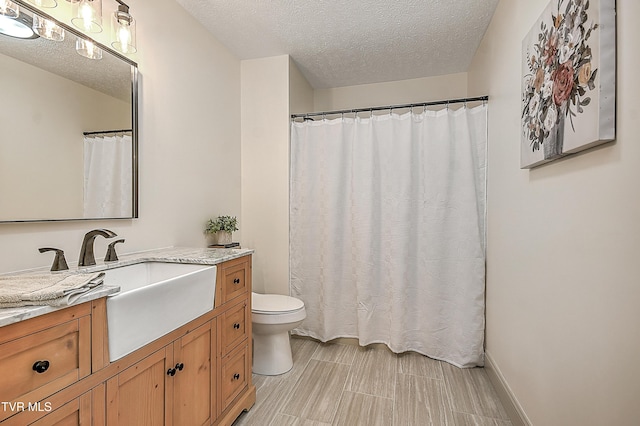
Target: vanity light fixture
{"type": "Point", "coordinates": [123, 30]}
{"type": "Point", "coordinates": [44, 3]}
{"type": "Point", "coordinates": [9, 9]}
{"type": "Point", "coordinates": [88, 49]}
{"type": "Point", "coordinates": [19, 27]}
{"type": "Point", "coordinates": [48, 29]}
{"type": "Point", "coordinates": [88, 15]}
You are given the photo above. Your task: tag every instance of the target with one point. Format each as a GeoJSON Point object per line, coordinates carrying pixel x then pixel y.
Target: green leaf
{"type": "Point", "coordinates": [585, 101]}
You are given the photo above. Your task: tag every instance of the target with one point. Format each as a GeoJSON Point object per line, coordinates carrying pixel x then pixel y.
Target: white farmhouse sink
{"type": "Point", "coordinates": [155, 298]}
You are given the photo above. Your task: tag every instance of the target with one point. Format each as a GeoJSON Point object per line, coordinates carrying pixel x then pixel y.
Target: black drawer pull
{"type": "Point", "coordinates": [179, 366]}
{"type": "Point", "coordinates": [236, 326]}
{"type": "Point", "coordinates": [41, 366]}
{"type": "Point", "coordinates": [236, 376]}
{"type": "Point", "coordinates": [236, 280]}
{"type": "Point", "coordinates": [171, 372]}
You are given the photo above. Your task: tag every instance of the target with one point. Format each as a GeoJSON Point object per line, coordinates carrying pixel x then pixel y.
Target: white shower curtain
{"type": "Point", "coordinates": [108, 175]}
{"type": "Point", "coordinates": [387, 231]}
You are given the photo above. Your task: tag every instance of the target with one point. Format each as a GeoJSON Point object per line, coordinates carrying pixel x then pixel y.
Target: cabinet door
{"type": "Point", "coordinates": [137, 396]}
{"type": "Point", "coordinates": [193, 383]}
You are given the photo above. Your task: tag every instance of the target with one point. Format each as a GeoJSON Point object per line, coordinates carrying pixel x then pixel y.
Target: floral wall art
{"type": "Point", "coordinates": [568, 80]}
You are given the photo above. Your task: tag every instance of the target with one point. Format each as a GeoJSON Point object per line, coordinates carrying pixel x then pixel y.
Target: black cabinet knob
{"type": "Point", "coordinates": [236, 280]}
{"type": "Point", "coordinates": [171, 372]}
{"type": "Point", "coordinates": [236, 326]}
{"type": "Point", "coordinates": [41, 366]}
{"type": "Point", "coordinates": [236, 376]}
{"type": "Point", "coordinates": [179, 366]}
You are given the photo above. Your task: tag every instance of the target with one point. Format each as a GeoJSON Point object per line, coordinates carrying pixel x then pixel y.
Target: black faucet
{"type": "Point", "coordinates": [86, 251]}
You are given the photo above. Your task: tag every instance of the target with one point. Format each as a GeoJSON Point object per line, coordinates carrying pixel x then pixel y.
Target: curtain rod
{"type": "Point", "coordinates": [391, 107]}
{"type": "Point", "coordinates": [106, 132]}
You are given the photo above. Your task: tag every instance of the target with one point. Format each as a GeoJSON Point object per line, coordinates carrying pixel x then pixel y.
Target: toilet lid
{"type": "Point", "coordinates": [274, 303]}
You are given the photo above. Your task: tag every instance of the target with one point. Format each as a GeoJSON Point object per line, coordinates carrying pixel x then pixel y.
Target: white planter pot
{"type": "Point", "coordinates": [223, 237]}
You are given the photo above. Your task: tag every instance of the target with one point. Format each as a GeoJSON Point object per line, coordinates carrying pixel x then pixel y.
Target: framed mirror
{"type": "Point", "coordinates": [68, 128]}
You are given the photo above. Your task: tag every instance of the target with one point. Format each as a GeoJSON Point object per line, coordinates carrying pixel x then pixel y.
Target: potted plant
{"type": "Point", "coordinates": [221, 228]}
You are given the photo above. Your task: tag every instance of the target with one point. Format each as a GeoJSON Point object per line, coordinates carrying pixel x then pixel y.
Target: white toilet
{"type": "Point", "coordinates": [272, 317]}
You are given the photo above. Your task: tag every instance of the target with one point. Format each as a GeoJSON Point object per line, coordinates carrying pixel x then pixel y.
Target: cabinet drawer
{"type": "Point", "coordinates": [40, 364]}
{"type": "Point", "coordinates": [234, 326]}
{"type": "Point", "coordinates": [74, 413]}
{"type": "Point", "coordinates": [235, 372]}
{"type": "Point", "coordinates": [235, 278]}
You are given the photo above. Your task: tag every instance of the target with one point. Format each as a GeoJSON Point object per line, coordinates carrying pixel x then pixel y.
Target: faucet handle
{"type": "Point", "coordinates": [112, 256]}
{"type": "Point", "coordinates": [59, 262]}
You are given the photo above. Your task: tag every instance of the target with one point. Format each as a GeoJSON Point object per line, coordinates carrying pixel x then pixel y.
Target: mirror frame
{"type": "Point", "coordinates": [134, 120]}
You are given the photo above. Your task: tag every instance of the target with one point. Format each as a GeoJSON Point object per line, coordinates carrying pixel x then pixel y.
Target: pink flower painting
{"type": "Point", "coordinates": [562, 84]}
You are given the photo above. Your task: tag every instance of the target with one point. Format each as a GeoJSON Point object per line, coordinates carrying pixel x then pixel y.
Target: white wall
{"type": "Point", "coordinates": [265, 170]}
{"type": "Point", "coordinates": [563, 291]}
{"type": "Point", "coordinates": [392, 93]}
{"type": "Point", "coordinates": [300, 91]}
{"type": "Point", "coordinates": [189, 144]}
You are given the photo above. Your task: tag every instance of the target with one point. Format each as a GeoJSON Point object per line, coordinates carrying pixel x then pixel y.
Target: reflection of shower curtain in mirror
{"type": "Point", "coordinates": [107, 175]}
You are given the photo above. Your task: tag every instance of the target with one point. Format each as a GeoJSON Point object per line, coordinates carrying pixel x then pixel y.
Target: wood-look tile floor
{"type": "Point", "coordinates": [347, 385]}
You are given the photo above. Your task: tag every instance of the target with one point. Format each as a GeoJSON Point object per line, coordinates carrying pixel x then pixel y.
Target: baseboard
{"type": "Point", "coordinates": [511, 405]}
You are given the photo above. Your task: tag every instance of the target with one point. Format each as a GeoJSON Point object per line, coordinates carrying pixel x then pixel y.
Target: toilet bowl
{"type": "Point", "coordinates": [272, 317]}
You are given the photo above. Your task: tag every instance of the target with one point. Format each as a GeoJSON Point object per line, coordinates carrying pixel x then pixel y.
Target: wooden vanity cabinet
{"type": "Point", "coordinates": [199, 374]}
{"type": "Point", "coordinates": [194, 383]}
{"type": "Point", "coordinates": [173, 386]}
{"type": "Point", "coordinates": [235, 388]}
{"type": "Point", "coordinates": [42, 356]}
{"type": "Point", "coordinates": [86, 409]}
{"type": "Point", "coordinates": [138, 395]}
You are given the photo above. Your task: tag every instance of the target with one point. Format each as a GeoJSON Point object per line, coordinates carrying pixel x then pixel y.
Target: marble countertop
{"type": "Point", "coordinates": [201, 256]}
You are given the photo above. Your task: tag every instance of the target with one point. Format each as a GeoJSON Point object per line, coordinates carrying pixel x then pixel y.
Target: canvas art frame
{"type": "Point", "coordinates": [568, 80]}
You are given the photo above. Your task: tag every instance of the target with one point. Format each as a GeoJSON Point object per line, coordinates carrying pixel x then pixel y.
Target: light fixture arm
{"type": "Point", "coordinates": [122, 13]}
{"type": "Point", "coordinates": [121, 3]}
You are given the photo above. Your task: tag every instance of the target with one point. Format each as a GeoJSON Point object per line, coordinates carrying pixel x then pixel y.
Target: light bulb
{"type": "Point", "coordinates": [124, 36]}
{"type": "Point", "coordinates": [88, 49]}
{"type": "Point", "coordinates": [47, 28]}
{"type": "Point", "coordinates": [88, 15]}
{"type": "Point", "coordinates": [86, 12]}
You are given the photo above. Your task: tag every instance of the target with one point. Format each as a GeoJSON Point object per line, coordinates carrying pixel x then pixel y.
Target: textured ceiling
{"type": "Point", "coordinates": [346, 42]}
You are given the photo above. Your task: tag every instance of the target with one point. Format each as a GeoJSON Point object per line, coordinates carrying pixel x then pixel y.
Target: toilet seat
{"type": "Point", "coordinates": [275, 304]}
